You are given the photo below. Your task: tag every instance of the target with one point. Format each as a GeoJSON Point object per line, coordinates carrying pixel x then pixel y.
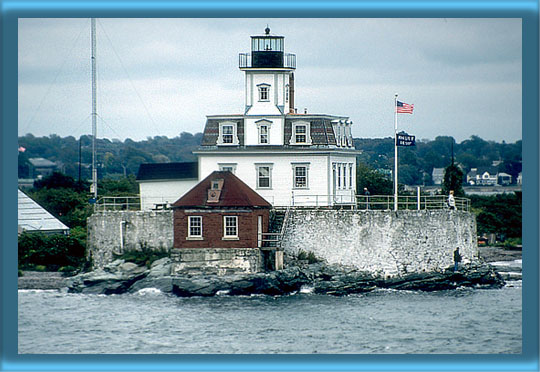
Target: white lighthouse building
{"type": "Point", "coordinates": [288, 157]}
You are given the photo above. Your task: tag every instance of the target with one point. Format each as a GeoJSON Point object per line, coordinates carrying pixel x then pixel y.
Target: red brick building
{"type": "Point", "coordinates": [221, 211]}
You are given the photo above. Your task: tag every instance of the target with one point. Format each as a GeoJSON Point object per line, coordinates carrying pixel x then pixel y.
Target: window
{"type": "Point", "coordinates": [287, 93]}
{"type": "Point", "coordinates": [230, 224]}
{"type": "Point", "coordinates": [264, 92]}
{"type": "Point", "coordinates": [263, 134]}
{"type": "Point", "coordinates": [350, 176]}
{"type": "Point", "coordinates": [231, 167]}
{"type": "Point", "coordinates": [264, 176]}
{"type": "Point", "coordinates": [195, 227]}
{"type": "Point", "coordinates": [339, 176]}
{"type": "Point", "coordinates": [300, 176]}
{"type": "Point", "coordinates": [300, 133]}
{"type": "Point", "coordinates": [227, 134]}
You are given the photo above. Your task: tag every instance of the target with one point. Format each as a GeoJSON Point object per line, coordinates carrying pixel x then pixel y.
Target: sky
{"type": "Point", "coordinates": [161, 77]}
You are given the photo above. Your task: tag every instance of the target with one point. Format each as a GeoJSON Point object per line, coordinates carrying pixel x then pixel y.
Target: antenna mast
{"type": "Point", "coordinates": [94, 111]}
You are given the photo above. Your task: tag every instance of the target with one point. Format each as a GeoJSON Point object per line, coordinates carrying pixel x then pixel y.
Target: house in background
{"type": "Point", "coordinates": [161, 184]}
{"type": "Point", "coordinates": [437, 175]}
{"type": "Point", "coordinates": [504, 179]}
{"type": "Point", "coordinates": [486, 176]}
{"type": "Point", "coordinates": [224, 219]}
{"type": "Point", "coordinates": [34, 218]}
{"type": "Point", "coordinates": [41, 167]}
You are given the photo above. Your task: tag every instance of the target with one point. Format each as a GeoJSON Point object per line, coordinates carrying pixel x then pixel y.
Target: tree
{"type": "Point", "coordinates": [453, 180]}
{"type": "Point", "coordinates": [376, 182]}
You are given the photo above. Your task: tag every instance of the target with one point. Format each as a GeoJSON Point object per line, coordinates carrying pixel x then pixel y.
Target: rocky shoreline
{"type": "Point", "coordinates": [126, 277]}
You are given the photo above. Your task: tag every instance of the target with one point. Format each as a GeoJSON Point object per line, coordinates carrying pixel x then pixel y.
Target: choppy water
{"type": "Point", "coordinates": [460, 321]}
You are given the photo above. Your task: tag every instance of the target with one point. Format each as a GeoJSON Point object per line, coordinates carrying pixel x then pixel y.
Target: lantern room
{"type": "Point", "coordinates": [267, 51]}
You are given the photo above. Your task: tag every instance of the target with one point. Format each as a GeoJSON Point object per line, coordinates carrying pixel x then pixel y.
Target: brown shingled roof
{"type": "Point", "coordinates": [234, 193]}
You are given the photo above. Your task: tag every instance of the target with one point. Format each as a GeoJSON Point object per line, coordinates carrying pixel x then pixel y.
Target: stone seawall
{"type": "Point", "coordinates": [220, 261]}
{"type": "Point", "coordinates": [113, 233]}
{"type": "Point", "coordinates": [385, 243]}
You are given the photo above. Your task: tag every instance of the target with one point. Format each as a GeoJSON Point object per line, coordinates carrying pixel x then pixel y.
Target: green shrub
{"type": "Point", "coordinates": [50, 252]}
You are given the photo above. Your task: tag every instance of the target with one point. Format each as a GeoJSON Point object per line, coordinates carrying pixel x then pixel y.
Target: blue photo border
{"type": "Point", "coordinates": [527, 10]}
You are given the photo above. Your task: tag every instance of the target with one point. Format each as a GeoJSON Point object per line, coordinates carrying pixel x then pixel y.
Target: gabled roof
{"type": "Point", "coordinates": [33, 217]}
{"type": "Point", "coordinates": [168, 171]}
{"type": "Point", "coordinates": [234, 193]}
{"type": "Point", "coordinates": [41, 162]}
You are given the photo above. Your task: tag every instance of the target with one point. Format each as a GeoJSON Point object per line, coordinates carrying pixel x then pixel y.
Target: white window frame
{"type": "Point", "coordinates": [264, 89]}
{"type": "Point", "coordinates": [295, 166]}
{"type": "Point", "coordinates": [257, 168]}
{"type": "Point", "coordinates": [232, 167]}
{"type": "Point", "coordinates": [350, 176]}
{"type": "Point", "coordinates": [307, 125]}
{"type": "Point", "coordinates": [227, 219]}
{"type": "Point", "coordinates": [190, 226]}
{"type": "Point", "coordinates": [224, 124]}
{"type": "Point", "coordinates": [260, 124]}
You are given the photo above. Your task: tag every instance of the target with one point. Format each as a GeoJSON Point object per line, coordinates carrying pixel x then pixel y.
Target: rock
{"type": "Point", "coordinates": [164, 284]}
{"type": "Point", "coordinates": [160, 268]}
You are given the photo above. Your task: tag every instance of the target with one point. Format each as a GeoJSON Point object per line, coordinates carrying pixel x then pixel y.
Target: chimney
{"type": "Point", "coordinates": [291, 93]}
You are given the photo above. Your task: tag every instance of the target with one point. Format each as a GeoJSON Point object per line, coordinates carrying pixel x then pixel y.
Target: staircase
{"type": "Point", "coordinates": [272, 239]}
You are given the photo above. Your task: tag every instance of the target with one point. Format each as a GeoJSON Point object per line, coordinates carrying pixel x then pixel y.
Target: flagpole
{"type": "Point", "coordinates": [395, 156]}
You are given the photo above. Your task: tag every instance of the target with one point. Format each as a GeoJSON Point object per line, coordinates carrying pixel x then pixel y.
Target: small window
{"type": "Point", "coordinates": [339, 176]}
{"type": "Point", "coordinates": [264, 92]}
{"type": "Point", "coordinates": [195, 227]}
{"type": "Point", "coordinates": [263, 134]}
{"type": "Point", "coordinates": [264, 177]}
{"type": "Point", "coordinates": [287, 93]}
{"type": "Point", "coordinates": [350, 176]}
{"type": "Point", "coordinates": [300, 177]}
{"type": "Point", "coordinates": [300, 134]}
{"type": "Point", "coordinates": [228, 133]}
{"type": "Point", "coordinates": [230, 167]}
{"type": "Point", "coordinates": [230, 227]}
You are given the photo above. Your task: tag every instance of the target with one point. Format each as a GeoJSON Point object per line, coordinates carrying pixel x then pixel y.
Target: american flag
{"type": "Point", "coordinates": [404, 108]}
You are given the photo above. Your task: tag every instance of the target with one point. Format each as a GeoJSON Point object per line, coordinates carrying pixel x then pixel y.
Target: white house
{"type": "Point", "coordinates": [161, 184]}
{"type": "Point", "coordinates": [289, 158]}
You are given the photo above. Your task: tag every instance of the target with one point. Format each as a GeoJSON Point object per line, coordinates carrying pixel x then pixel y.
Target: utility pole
{"type": "Point", "coordinates": [94, 111]}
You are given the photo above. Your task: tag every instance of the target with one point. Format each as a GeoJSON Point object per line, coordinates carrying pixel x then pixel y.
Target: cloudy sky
{"type": "Point", "coordinates": [161, 77]}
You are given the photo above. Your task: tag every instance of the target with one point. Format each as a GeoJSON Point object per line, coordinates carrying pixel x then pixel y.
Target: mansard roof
{"type": "Point", "coordinates": [168, 171]}
{"type": "Point", "coordinates": [234, 193]}
{"type": "Point", "coordinates": [321, 128]}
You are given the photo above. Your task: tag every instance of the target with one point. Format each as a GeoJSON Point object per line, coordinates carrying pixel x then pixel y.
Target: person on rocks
{"type": "Point", "coordinates": [457, 259]}
{"type": "Point", "coordinates": [451, 200]}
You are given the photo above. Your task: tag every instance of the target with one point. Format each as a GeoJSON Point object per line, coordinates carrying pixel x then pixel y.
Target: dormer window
{"type": "Point", "coordinates": [301, 134]}
{"type": "Point", "coordinates": [227, 134]}
{"type": "Point", "coordinates": [263, 127]}
{"type": "Point", "coordinates": [264, 92]}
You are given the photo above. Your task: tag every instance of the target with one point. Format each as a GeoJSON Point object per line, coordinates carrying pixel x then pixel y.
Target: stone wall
{"type": "Point", "coordinates": [384, 242]}
{"type": "Point", "coordinates": [219, 261]}
{"type": "Point", "coordinates": [116, 232]}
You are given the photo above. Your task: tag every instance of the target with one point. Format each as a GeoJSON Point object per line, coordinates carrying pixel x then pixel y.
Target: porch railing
{"type": "Point", "coordinates": [118, 203]}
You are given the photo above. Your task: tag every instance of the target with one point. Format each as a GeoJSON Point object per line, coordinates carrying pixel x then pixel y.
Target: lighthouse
{"type": "Point", "coordinates": [288, 157]}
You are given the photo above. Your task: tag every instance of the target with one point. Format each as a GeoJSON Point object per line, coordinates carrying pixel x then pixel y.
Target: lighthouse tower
{"type": "Point", "coordinates": [289, 158]}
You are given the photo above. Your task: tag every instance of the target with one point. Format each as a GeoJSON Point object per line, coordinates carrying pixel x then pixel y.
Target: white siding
{"type": "Point", "coordinates": [163, 192]}
{"type": "Point", "coordinates": [319, 182]}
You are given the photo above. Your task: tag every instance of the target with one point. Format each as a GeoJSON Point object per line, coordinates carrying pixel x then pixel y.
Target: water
{"type": "Point", "coordinates": [382, 322]}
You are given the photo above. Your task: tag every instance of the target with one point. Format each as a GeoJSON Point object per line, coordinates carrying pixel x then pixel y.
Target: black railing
{"type": "Point", "coordinates": [245, 60]}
